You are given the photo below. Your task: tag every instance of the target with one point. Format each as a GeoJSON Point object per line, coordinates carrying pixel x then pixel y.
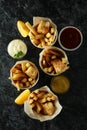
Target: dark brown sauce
{"type": "Point", "coordinates": [70, 38]}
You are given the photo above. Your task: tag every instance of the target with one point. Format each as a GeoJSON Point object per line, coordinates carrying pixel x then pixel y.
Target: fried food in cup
{"type": "Point", "coordinates": [24, 74]}
{"type": "Point", "coordinates": [31, 28]}
{"type": "Point", "coordinates": [42, 34]}
{"type": "Point", "coordinates": [46, 33]}
{"type": "Point", "coordinates": [53, 61]}
{"type": "Point", "coordinates": [42, 104]}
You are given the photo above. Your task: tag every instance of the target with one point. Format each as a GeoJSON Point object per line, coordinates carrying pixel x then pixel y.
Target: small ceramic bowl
{"type": "Point", "coordinates": [17, 49]}
{"type": "Point", "coordinates": [46, 30]}
{"type": "Point", "coordinates": [53, 61]}
{"type": "Point", "coordinates": [70, 38]}
{"type": "Point", "coordinates": [24, 74]}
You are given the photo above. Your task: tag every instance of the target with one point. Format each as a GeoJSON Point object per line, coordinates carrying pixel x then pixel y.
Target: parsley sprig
{"type": "Point", "coordinates": [19, 54]}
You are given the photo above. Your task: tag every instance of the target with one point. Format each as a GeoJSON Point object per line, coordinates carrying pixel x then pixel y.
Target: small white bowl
{"type": "Point", "coordinates": [17, 49]}
{"type": "Point", "coordinates": [70, 36]}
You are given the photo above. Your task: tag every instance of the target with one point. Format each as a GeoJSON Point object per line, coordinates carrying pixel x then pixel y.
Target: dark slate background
{"type": "Point", "coordinates": [74, 102]}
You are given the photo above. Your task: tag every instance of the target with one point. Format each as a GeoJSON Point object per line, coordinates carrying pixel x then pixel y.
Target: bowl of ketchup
{"type": "Point", "coordinates": [70, 38]}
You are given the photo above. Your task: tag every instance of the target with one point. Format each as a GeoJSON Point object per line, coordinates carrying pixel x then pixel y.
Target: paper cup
{"type": "Point", "coordinates": [24, 74]}
{"type": "Point", "coordinates": [29, 111]}
{"type": "Point", "coordinates": [47, 39]}
{"type": "Point", "coordinates": [52, 59]}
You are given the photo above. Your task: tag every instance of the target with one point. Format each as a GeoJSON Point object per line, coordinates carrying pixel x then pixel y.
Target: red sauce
{"type": "Point", "coordinates": [70, 38]}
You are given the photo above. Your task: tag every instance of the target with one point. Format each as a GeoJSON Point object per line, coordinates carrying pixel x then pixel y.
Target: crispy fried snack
{"type": "Point", "coordinates": [42, 102]}
{"type": "Point", "coordinates": [24, 74]}
{"type": "Point", "coordinates": [53, 61]}
{"type": "Point", "coordinates": [41, 35]}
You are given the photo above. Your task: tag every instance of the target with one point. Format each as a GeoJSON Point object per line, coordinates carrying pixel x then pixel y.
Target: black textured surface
{"type": "Point", "coordinates": [74, 102]}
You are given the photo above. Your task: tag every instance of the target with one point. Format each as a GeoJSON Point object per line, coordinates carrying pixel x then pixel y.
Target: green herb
{"type": "Point", "coordinates": [19, 54]}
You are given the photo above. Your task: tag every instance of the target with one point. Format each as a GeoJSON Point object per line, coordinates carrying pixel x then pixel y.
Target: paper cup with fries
{"type": "Point", "coordinates": [42, 104]}
{"type": "Point", "coordinates": [53, 61]}
{"type": "Point", "coordinates": [24, 74]}
{"type": "Point", "coordinates": [43, 33]}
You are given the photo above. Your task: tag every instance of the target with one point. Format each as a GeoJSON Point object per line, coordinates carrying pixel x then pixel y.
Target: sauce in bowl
{"type": "Point", "coordinates": [70, 38]}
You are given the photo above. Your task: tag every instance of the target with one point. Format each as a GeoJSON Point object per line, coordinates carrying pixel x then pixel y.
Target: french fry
{"type": "Point", "coordinates": [18, 66]}
{"type": "Point", "coordinates": [46, 39]}
{"type": "Point", "coordinates": [31, 28]}
{"type": "Point", "coordinates": [27, 84]}
{"type": "Point", "coordinates": [39, 36]}
{"type": "Point", "coordinates": [41, 94]}
{"type": "Point", "coordinates": [36, 42]}
{"type": "Point", "coordinates": [33, 81]}
{"type": "Point", "coordinates": [30, 79]}
{"type": "Point", "coordinates": [13, 70]}
{"type": "Point", "coordinates": [45, 69]}
{"type": "Point", "coordinates": [28, 65]}
{"type": "Point", "coordinates": [52, 30]}
{"type": "Point", "coordinates": [32, 105]}
{"type": "Point", "coordinates": [50, 69]}
{"type": "Point", "coordinates": [17, 71]}
{"type": "Point", "coordinates": [24, 80]}
{"type": "Point", "coordinates": [52, 38]}
{"type": "Point", "coordinates": [43, 100]}
{"type": "Point", "coordinates": [17, 85]}
{"type": "Point", "coordinates": [18, 76]}
{"type": "Point", "coordinates": [24, 68]}
{"type": "Point", "coordinates": [31, 35]}
{"type": "Point", "coordinates": [47, 24]}
{"type": "Point", "coordinates": [20, 85]}
{"type": "Point", "coordinates": [42, 42]}
{"type": "Point", "coordinates": [39, 108]}
{"type": "Point", "coordinates": [31, 101]}
{"type": "Point", "coordinates": [35, 98]}
{"type": "Point", "coordinates": [48, 35]}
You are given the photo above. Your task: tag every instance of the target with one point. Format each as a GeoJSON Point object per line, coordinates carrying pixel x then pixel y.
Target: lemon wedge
{"type": "Point", "coordinates": [60, 84]}
{"type": "Point", "coordinates": [22, 28]}
{"type": "Point", "coordinates": [22, 97]}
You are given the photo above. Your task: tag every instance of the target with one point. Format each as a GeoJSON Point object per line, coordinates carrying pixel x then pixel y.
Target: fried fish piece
{"type": "Point", "coordinates": [42, 27]}
{"type": "Point", "coordinates": [31, 72]}
{"type": "Point", "coordinates": [48, 108]}
{"type": "Point", "coordinates": [59, 66]}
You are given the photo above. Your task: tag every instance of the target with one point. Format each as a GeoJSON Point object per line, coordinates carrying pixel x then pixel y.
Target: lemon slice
{"type": "Point", "coordinates": [60, 84]}
{"type": "Point", "coordinates": [22, 97]}
{"type": "Point", "coordinates": [23, 29]}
